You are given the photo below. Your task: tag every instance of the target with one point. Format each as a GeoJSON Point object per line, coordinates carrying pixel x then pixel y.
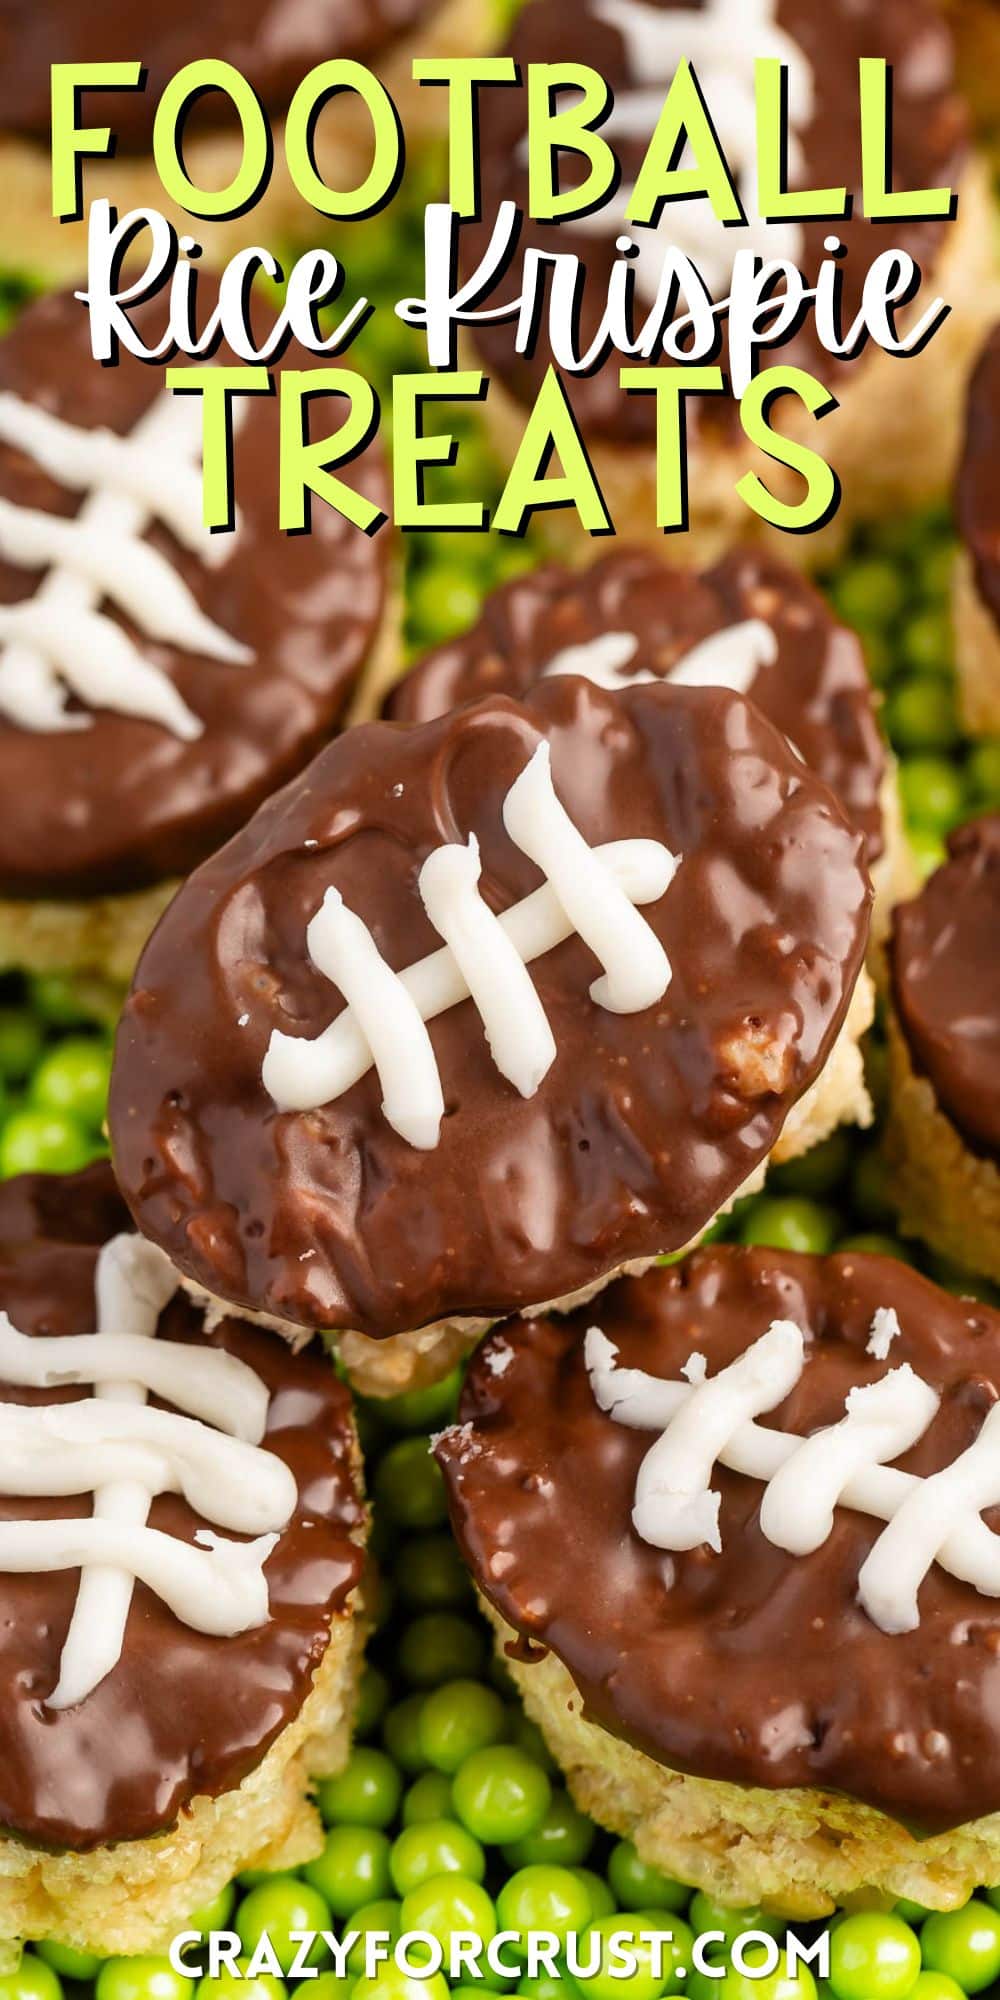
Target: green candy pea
{"type": "Point", "coordinates": [429, 1797]}
{"type": "Point", "coordinates": [382, 1915]}
{"type": "Point", "coordinates": [144, 1977]}
{"type": "Point", "coordinates": [564, 1836]}
{"type": "Point", "coordinates": [439, 1646]}
{"type": "Point", "coordinates": [409, 1486]}
{"type": "Point", "coordinates": [392, 1983]}
{"type": "Point", "coordinates": [36, 1980]}
{"type": "Point", "coordinates": [20, 1043]}
{"type": "Point", "coordinates": [352, 1870]}
{"type": "Point", "coordinates": [73, 1078]}
{"type": "Point", "coordinates": [40, 1141]}
{"type": "Point", "coordinates": [429, 1573]}
{"type": "Point", "coordinates": [544, 1898]}
{"type": "Point", "coordinates": [435, 1847]}
{"type": "Point", "coordinates": [608, 1980]}
{"type": "Point", "coordinates": [705, 1914]}
{"type": "Point", "coordinates": [365, 1793]}
{"type": "Point", "coordinates": [446, 1904]}
{"type": "Point", "coordinates": [69, 1963]}
{"type": "Point", "coordinates": [275, 1909]}
{"type": "Point", "coordinates": [790, 1223]}
{"type": "Point", "coordinates": [873, 1956]}
{"type": "Point", "coordinates": [965, 1944]}
{"type": "Point", "coordinates": [457, 1718]}
{"type": "Point", "coordinates": [638, 1886]}
{"type": "Point", "coordinates": [501, 1794]}
{"type": "Point", "coordinates": [228, 1985]}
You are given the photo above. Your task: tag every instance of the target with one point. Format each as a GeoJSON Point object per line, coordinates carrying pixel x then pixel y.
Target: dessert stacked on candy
{"type": "Point", "coordinates": [156, 681]}
{"type": "Point", "coordinates": [460, 1030]}
{"type": "Point", "coordinates": [181, 1540]}
{"type": "Point", "coordinates": [182, 1519]}
{"type": "Point", "coordinates": [367, 1080]}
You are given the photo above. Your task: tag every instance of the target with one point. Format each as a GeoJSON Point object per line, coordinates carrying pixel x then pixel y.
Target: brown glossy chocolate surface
{"type": "Point", "coordinates": [977, 497]}
{"type": "Point", "coordinates": [271, 42]}
{"type": "Point", "coordinates": [751, 1666]}
{"type": "Point", "coordinates": [126, 802]}
{"type": "Point", "coordinates": [644, 1124]}
{"type": "Point", "coordinates": [182, 1715]}
{"type": "Point", "coordinates": [945, 960]}
{"type": "Point", "coordinates": [929, 140]}
{"type": "Point", "coordinates": [817, 690]}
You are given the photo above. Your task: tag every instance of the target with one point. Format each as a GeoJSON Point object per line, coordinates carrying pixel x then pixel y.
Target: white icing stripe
{"type": "Point", "coordinates": [395, 1036]}
{"type": "Point", "coordinates": [517, 1031]}
{"type": "Point", "coordinates": [636, 967]}
{"type": "Point", "coordinates": [218, 1588]}
{"type": "Point", "coordinates": [731, 658]}
{"type": "Point", "coordinates": [68, 1448]}
{"type": "Point", "coordinates": [883, 1420]}
{"type": "Point", "coordinates": [340, 1056]}
{"type": "Point", "coordinates": [58, 641]}
{"type": "Point", "coordinates": [724, 38]}
{"type": "Point", "coordinates": [594, 894]}
{"type": "Point", "coordinates": [939, 1507]}
{"type": "Point", "coordinates": [674, 1506]}
{"type": "Point", "coordinates": [934, 1519]}
{"type": "Point", "coordinates": [723, 42]}
{"type": "Point", "coordinates": [601, 660]}
{"type": "Point", "coordinates": [221, 1390]}
{"type": "Point", "coordinates": [133, 1283]}
{"type": "Point", "coordinates": [125, 1454]}
{"type": "Point", "coordinates": [165, 483]}
{"type": "Point", "coordinates": [135, 576]}
{"type": "Point", "coordinates": [97, 661]}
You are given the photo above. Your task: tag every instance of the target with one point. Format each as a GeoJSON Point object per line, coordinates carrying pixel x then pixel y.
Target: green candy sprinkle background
{"type": "Point", "coordinates": [450, 1814]}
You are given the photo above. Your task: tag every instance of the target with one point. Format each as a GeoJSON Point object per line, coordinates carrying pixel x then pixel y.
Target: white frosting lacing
{"type": "Point", "coordinates": [59, 642]}
{"type": "Point", "coordinates": [112, 1446]}
{"type": "Point", "coordinates": [713, 1421]}
{"type": "Point", "coordinates": [731, 658]}
{"type": "Point", "coordinates": [590, 891]}
{"type": "Point", "coordinates": [722, 41]}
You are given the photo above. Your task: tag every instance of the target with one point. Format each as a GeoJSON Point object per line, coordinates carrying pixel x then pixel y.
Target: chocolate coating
{"type": "Point", "coordinates": [817, 691]}
{"type": "Point", "coordinates": [645, 1123]}
{"type": "Point", "coordinates": [945, 963]}
{"type": "Point", "coordinates": [751, 1666]}
{"type": "Point", "coordinates": [977, 497]}
{"type": "Point", "coordinates": [128, 803]}
{"type": "Point", "coordinates": [181, 1715]}
{"type": "Point", "coordinates": [929, 143]}
{"type": "Point", "coordinates": [272, 42]}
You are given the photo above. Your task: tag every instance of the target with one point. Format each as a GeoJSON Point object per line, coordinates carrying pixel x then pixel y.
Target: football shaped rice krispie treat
{"type": "Point", "coordinates": [476, 1013]}
{"type": "Point", "coordinates": [156, 681]}
{"type": "Point", "coordinates": [181, 1544]}
{"type": "Point", "coordinates": [732, 1524]}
